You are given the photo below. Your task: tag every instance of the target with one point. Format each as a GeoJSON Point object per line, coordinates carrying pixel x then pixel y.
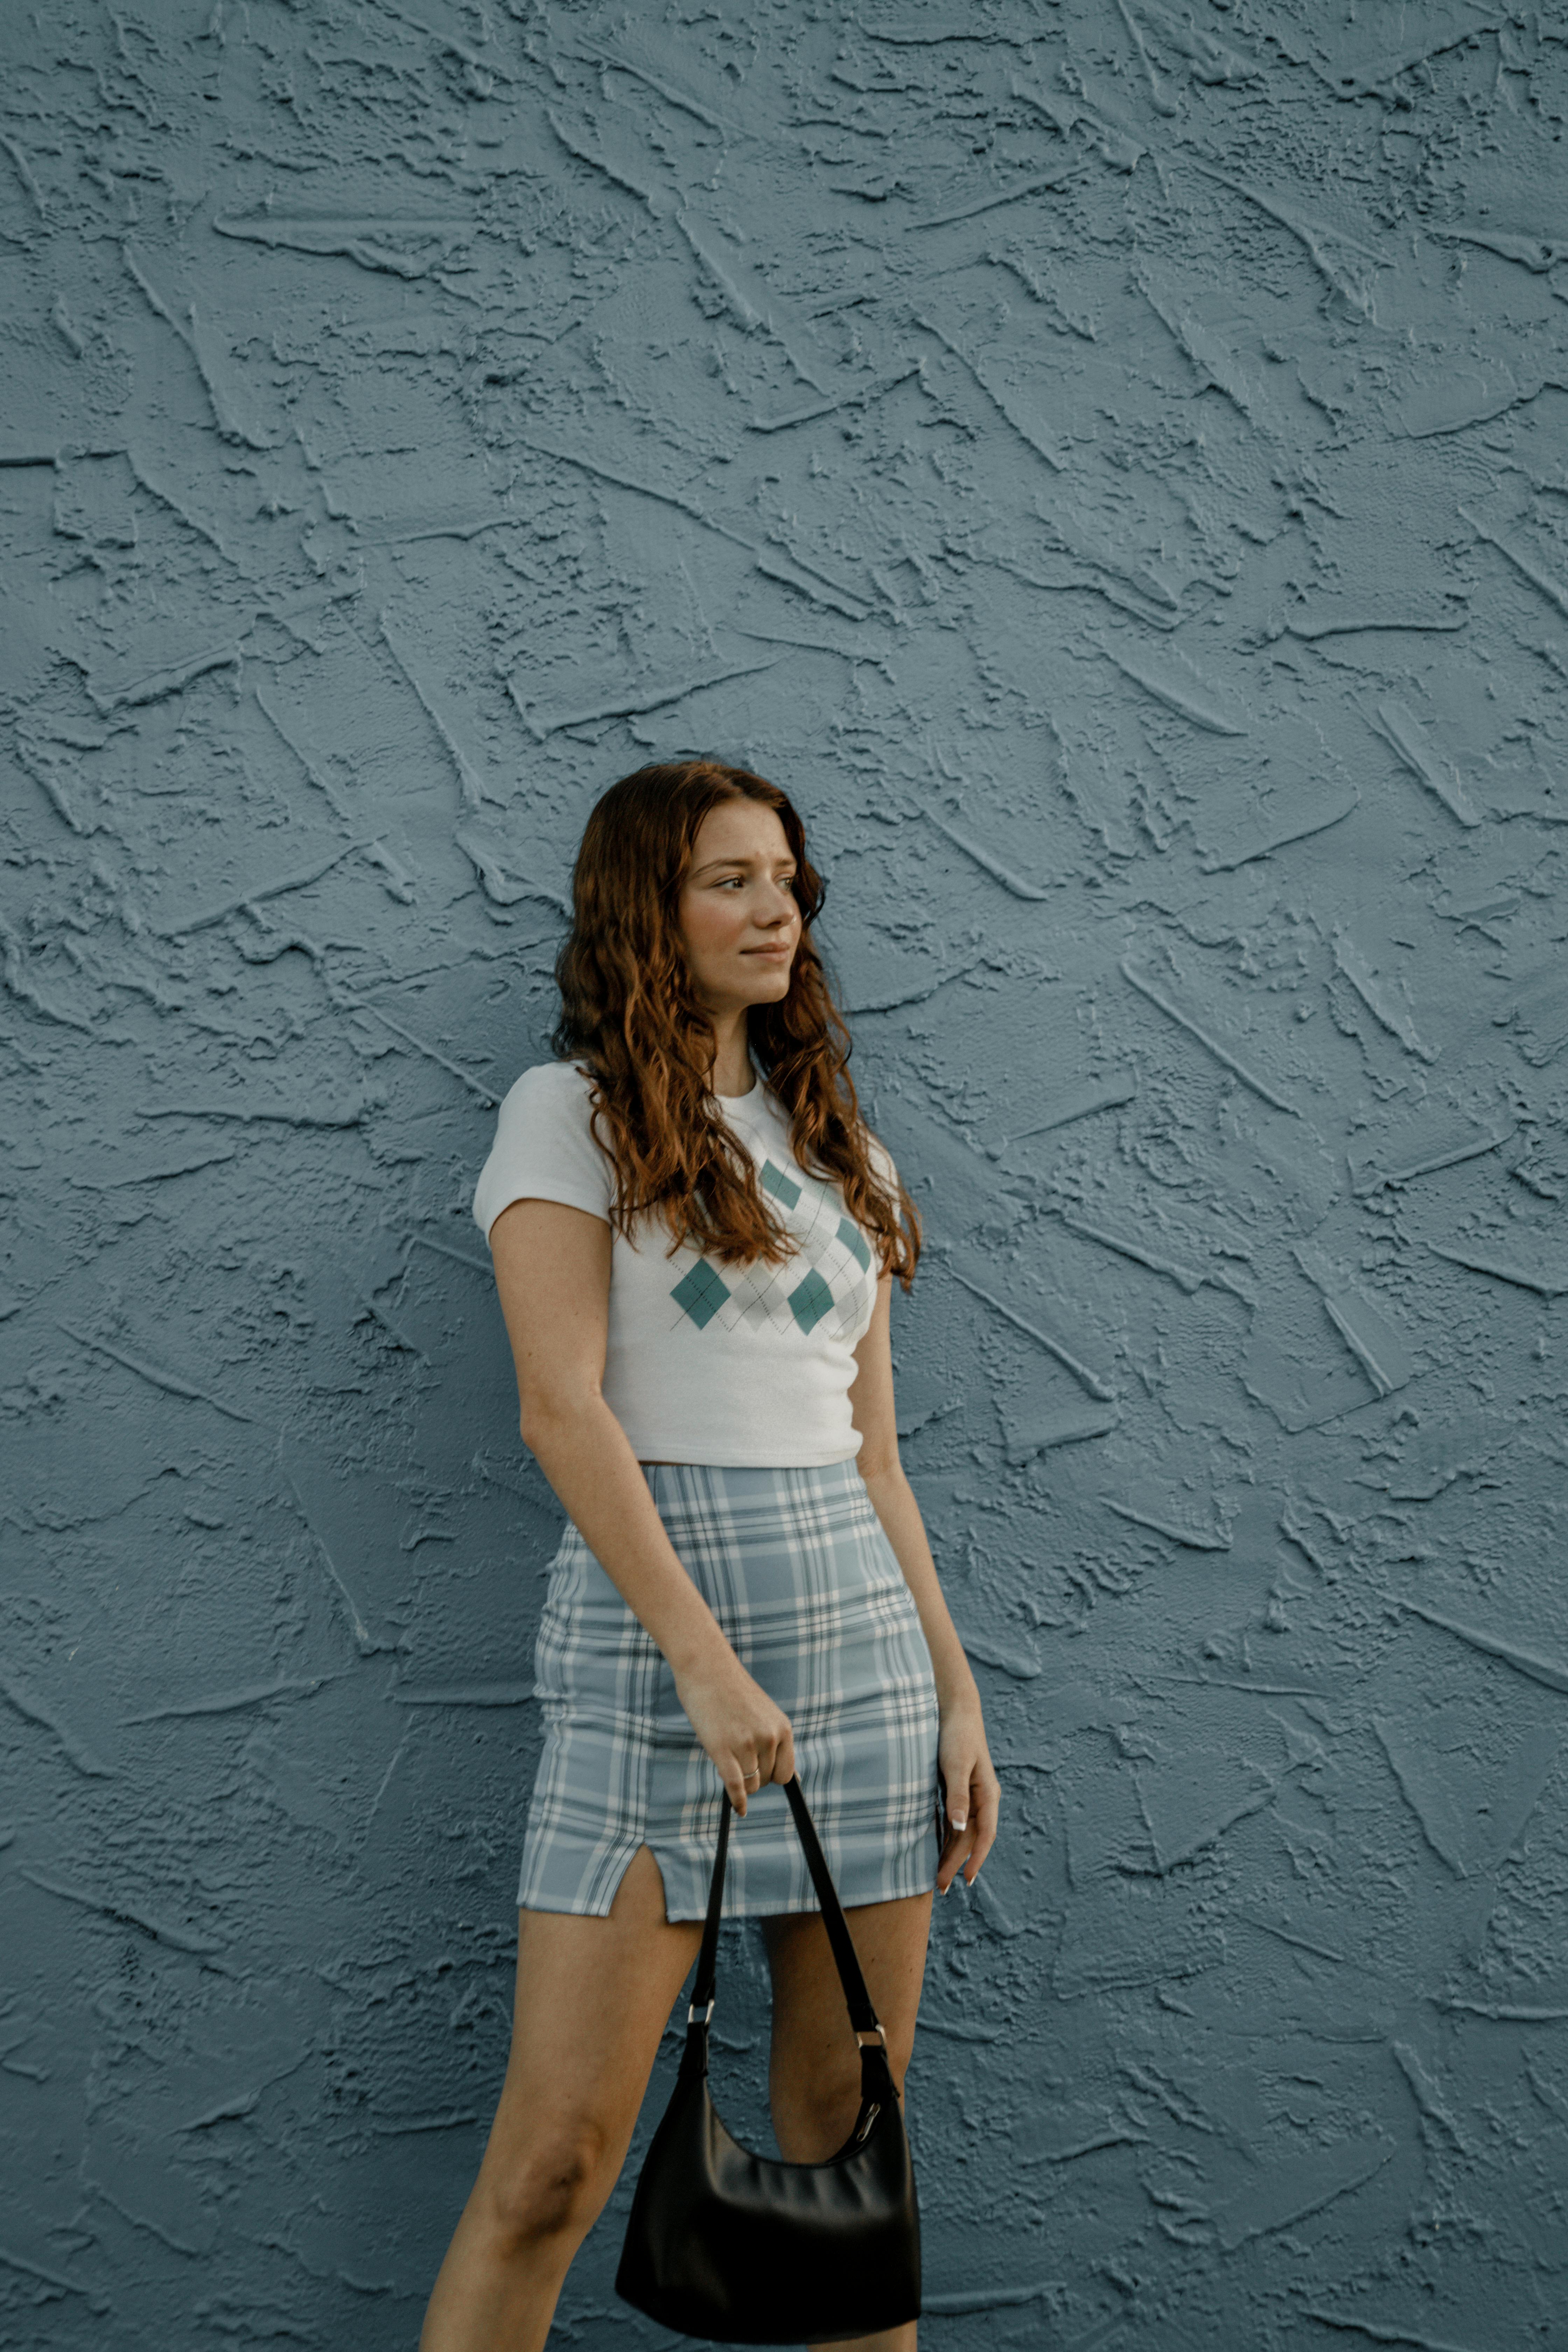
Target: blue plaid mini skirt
{"type": "Point", "coordinates": [796, 1568]}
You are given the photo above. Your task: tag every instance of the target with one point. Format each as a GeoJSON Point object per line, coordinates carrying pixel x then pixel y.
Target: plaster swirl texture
{"type": "Point", "coordinates": [1108, 460]}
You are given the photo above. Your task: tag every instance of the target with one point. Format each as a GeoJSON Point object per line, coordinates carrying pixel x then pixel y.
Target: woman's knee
{"type": "Point", "coordinates": [550, 2191]}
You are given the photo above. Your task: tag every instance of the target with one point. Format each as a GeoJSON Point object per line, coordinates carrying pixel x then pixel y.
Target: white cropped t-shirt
{"type": "Point", "coordinates": [738, 1365]}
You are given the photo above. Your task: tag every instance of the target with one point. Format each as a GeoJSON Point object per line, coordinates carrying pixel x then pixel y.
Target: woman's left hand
{"type": "Point", "coordinates": [971, 1793]}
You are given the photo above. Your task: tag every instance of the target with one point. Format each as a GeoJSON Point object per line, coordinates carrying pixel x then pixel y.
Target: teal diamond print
{"type": "Point", "coordinates": [810, 1300]}
{"type": "Point", "coordinates": [854, 1240]}
{"type": "Point", "coordinates": [776, 1181]}
{"type": "Point", "coordinates": [702, 1293]}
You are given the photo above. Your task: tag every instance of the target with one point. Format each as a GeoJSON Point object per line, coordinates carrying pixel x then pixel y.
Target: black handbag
{"type": "Point", "coordinates": [743, 2249]}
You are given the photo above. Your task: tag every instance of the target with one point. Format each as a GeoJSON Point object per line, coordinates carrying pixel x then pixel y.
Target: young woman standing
{"type": "Point", "coordinates": [695, 1239]}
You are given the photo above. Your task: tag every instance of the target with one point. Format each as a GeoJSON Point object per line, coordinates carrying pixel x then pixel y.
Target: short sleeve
{"type": "Point", "coordinates": [544, 1149]}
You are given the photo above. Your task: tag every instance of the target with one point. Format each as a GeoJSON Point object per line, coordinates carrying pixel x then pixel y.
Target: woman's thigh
{"type": "Point", "coordinates": [814, 2071]}
{"type": "Point", "coordinates": [593, 1998]}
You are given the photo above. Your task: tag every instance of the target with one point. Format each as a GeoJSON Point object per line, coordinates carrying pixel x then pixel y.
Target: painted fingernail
{"type": "Point", "coordinates": [960, 1821]}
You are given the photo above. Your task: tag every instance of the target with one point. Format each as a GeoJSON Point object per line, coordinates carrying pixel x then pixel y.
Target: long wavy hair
{"type": "Point", "coordinates": [631, 1017]}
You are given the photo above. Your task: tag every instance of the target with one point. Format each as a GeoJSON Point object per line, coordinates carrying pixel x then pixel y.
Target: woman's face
{"type": "Point", "coordinates": [737, 911]}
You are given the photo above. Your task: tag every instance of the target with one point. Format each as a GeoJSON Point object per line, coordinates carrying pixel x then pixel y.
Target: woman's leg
{"type": "Point", "coordinates": [593, 1998]}
{"type": "Point", "coordinates": [813, 2070]}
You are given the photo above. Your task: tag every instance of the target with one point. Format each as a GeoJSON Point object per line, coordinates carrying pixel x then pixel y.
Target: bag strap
{"type": "Point", "coordinates": [708, 1956]}
{"type": "Point", "coordinates": [862, 2015]}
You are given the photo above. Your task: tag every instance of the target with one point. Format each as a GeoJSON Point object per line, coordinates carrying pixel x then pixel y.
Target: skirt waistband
{"type": "Point", "coordinates": [701, 1487]}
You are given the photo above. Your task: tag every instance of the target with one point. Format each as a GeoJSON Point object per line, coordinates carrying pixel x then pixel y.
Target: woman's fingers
{"type": "Point", "coordinates": [748, 1739]}
{"type": "Point", "coordinates": [746, 1777]}
{"type": "Point", "coordinates": [956, 1852]}
{"type": "Point", "coordinates": [765, 1754]}
{"type": "Point", "coordinates": [955, 1771]}
{"type": "Point", "coordinates": [784, 1756]}
{"type": "Point", "coordinates": [972, 1796]}
{"type": "Point", "coordinates": [775, 1747]}
{"type": "Point", "coordinates": [946, 1796]}
{"type": "Point", "coordinates": [986, 1794]}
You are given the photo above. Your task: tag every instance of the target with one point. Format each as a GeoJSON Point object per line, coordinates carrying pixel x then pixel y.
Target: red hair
{"type": "Point", "coordinates": [630, 1016]}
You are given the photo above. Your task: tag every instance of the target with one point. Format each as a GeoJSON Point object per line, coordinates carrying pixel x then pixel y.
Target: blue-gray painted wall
{"type": "Point", "coordinates": [1106, 459]}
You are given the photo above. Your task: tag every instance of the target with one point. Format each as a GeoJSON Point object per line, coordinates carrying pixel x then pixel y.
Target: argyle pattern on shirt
{"type": "Point", "coordinates": [828, 1281]}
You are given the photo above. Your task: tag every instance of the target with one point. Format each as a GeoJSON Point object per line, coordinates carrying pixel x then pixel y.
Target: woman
{"type": "Point", "coordinates": [695, 1240]}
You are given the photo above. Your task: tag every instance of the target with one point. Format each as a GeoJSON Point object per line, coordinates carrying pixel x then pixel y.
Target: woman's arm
{"type": "Point", "coordinates": [973, 1791]}
{"type": "Point", "coordinates": [552, 1271]}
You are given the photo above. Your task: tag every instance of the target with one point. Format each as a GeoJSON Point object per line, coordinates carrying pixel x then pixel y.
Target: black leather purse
{"type": "Point", "coordinates": [741, 2248]}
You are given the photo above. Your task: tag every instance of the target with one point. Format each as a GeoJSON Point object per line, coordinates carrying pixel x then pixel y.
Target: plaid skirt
{"type": "Point", "coordinates": [796, 1566]}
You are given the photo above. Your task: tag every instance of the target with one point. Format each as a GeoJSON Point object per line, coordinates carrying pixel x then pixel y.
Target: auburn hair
{"type": "Point", "coordinates": [631, 1017]}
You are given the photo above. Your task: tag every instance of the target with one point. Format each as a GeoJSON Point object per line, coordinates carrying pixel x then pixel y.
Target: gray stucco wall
{"type": "Point", "coordinates": [1106, 459]}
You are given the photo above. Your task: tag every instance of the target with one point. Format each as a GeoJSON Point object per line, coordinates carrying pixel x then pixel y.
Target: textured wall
{"type": "Point", "coordinates": [1106, 458]}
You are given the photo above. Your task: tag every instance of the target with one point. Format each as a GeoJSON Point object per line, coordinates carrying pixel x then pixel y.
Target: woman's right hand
{"type": "Point", "coordinates": [553, 1270]}
{"type": "Point", "coordinates": [748, 1738]}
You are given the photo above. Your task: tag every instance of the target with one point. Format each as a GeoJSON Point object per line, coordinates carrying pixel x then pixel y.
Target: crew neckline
{"type": "Point", "coordinates": [755, 1094]}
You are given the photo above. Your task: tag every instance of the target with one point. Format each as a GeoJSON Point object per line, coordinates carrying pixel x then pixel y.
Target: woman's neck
{"type": "Point", "coordinates": [732, 1072]}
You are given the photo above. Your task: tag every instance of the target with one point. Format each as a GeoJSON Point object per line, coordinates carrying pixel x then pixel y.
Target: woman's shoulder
{"type": "Point", "coordinates": [544, 1148]}
{"type": "Point", "coordinates": [550, 1091]}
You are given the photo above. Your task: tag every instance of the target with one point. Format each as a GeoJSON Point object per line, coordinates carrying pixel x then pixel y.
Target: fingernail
{"type": "Point", "coordinates": [959, 1821]}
